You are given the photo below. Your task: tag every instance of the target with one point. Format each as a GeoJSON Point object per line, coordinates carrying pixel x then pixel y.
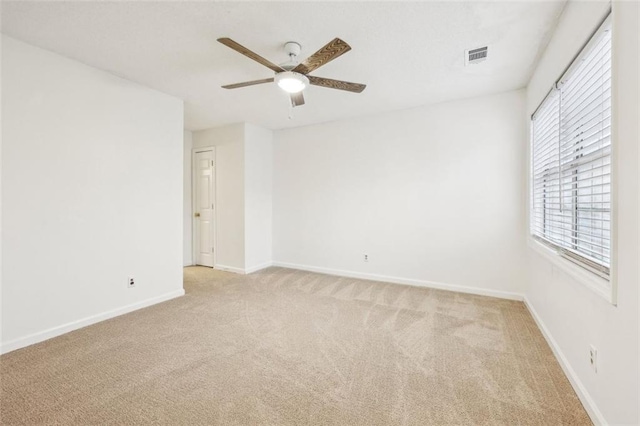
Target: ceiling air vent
{"type": "Point", "coordinates": [475, 56]}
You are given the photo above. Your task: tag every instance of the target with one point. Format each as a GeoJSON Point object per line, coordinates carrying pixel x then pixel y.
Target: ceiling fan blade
{"type": "Point", "coordinates": [297, 99]}
{"type": "Point", "coordinates": [248, 83]}
{"type": "Point", "coordinates": [328, 53]}
{"type": "Point", "coordinates": [336, 84]}
{"type": "Point", "coordinates": [249, 54]}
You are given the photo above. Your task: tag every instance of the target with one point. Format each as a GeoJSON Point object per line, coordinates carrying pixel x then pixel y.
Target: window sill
{"type": "Point", "coordinates": [598, 285]}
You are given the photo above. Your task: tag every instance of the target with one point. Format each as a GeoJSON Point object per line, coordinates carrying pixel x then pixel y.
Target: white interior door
{"type": "Point", "coordinates": [204, 181]}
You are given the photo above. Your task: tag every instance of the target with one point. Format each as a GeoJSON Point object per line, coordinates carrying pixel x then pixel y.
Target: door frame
{"type": "Point", "coordinates": [214, 229]}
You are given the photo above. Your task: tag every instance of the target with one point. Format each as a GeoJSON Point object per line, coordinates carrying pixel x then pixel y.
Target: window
{"type": "Point", "coordinates": [571, 160]}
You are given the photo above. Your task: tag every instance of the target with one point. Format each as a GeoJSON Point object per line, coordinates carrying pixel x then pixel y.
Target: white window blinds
{"type": "Point", "coordinates": [571, 159]}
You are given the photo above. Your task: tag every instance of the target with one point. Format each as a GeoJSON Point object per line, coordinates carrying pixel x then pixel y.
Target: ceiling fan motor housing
{"type": "Point", "coordinates": [292, 48]}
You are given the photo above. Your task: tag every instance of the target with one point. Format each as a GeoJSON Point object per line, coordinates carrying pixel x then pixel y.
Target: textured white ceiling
{"type": "Point", "coordinates": [408, 53]}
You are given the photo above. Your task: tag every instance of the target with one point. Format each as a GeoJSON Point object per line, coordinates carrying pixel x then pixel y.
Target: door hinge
{"type": "Point", "coordinates": [212, 162]}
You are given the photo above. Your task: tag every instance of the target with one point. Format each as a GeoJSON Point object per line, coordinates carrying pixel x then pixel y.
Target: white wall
{"type": "Point", "coordinates": [1, 237]}
{"type": "Point", "coordinates": [432, 195]}
{"type": "Point", "coordinates": [573, 316]}
{"type": "Point", "coordinates": [187, 218]}
{"type": "Point", "coordinates": [233, 133]}
{"type": "Point", "coordinates": [92, 193]}
{"type": "Point", "coordinates": [258, 197]}
{"type": "Point", "coordinates": [229, 169]}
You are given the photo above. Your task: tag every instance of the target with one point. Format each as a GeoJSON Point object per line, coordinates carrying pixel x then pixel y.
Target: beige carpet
{"type": "Point", "coordinates": [284, 347]}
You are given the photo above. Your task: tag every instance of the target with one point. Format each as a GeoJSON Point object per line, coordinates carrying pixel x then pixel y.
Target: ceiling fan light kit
{"type": "Point", "coordinates": [291, 82]}
{"type": "Point", "coordinates": [293, 77]}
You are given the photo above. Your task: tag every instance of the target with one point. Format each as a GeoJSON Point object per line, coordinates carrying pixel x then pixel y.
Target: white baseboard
{"type": "Point", "coordinates": [41, 336]}
{"type": "Point", "coordinates": [590, 406]}
{"type": "Point", "coordinates": [406, 281]}
{"type": "Point", "coordinates": [257, 268]}
{"type": "Point", "coordinates": [243, 271]}
{"type": "Point", "coordinates": [229, 269]}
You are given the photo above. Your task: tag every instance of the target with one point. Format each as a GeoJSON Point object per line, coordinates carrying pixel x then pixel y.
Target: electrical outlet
{"type": "Point", "coordinates": [366, 257]}
{"type": "Point", "coordinates": [131, 282]}
{"type": "Point", "coordinates": [593, 358]}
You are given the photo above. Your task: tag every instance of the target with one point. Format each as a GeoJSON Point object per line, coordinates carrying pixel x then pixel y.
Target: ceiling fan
{"type": "Point", "coordinates": [293, 76]}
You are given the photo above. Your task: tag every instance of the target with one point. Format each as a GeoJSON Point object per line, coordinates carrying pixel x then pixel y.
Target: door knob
{"type": "Point", "coordinates": [197, 215]}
